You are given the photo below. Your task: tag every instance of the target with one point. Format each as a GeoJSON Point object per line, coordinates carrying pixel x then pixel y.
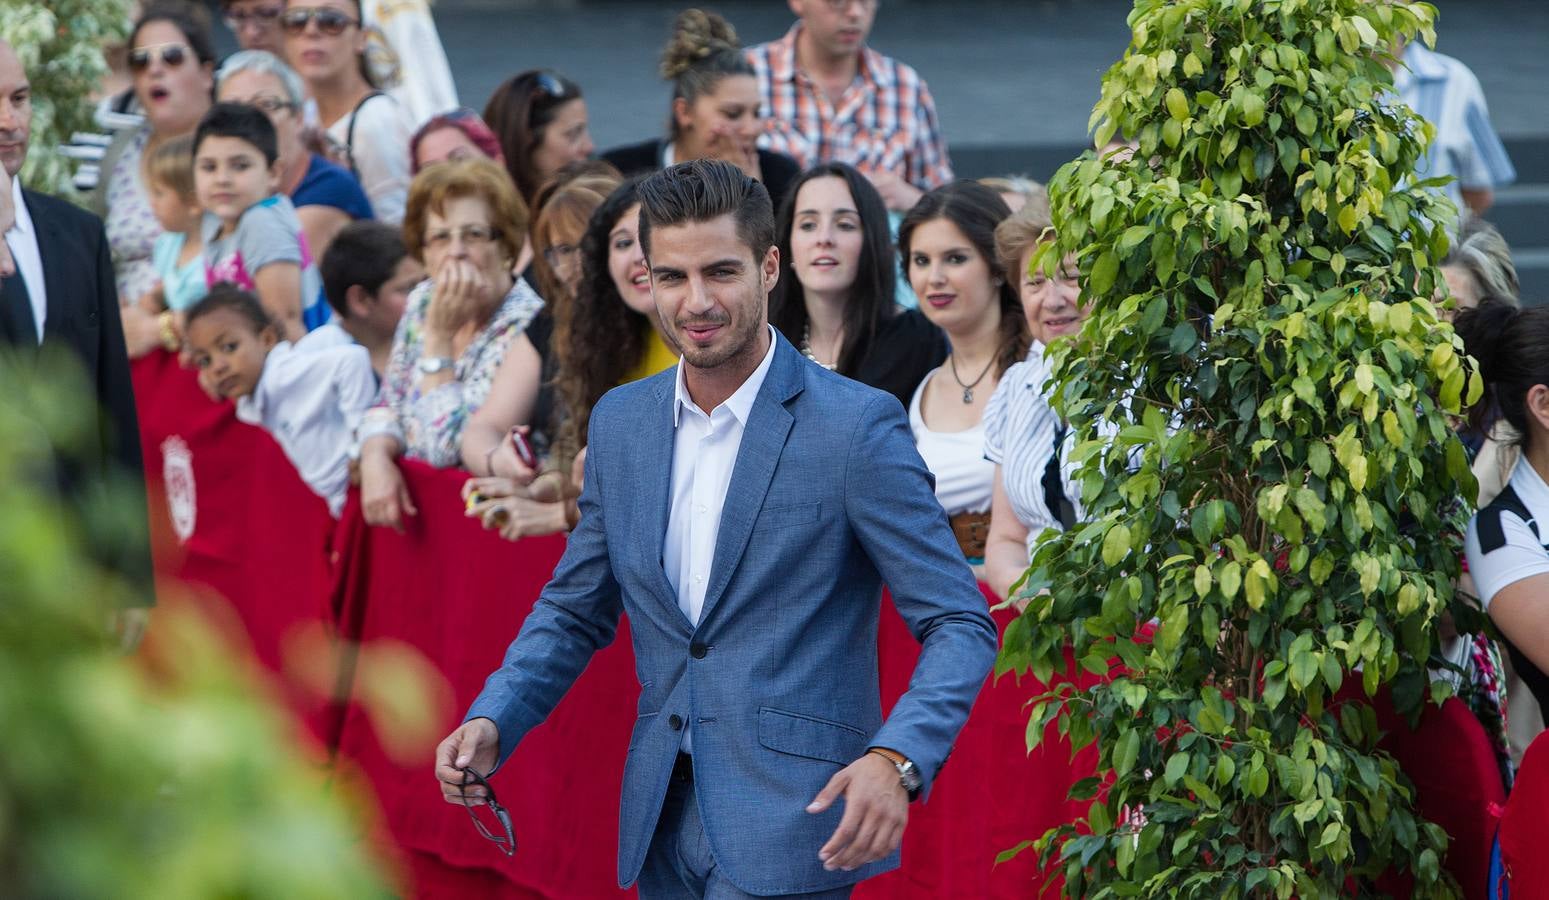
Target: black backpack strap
{"type": "Point", "coordinates": [349, 132]}
{"type": "Point", "coordinates": [1492, 536]}
{"type": "Point", "coordinates": [1053, 485]}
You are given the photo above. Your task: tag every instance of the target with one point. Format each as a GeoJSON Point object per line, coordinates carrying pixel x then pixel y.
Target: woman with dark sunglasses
{"type": "Point", "coordinates": [171, 61]}
{"type": "Point", "coordinates": [540, 118]}
{"type": "Point", "coordinates": [326, 44]}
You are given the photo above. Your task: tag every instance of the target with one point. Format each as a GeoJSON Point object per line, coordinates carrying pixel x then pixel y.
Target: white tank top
{"type": "Point", "coordinates": [965, 480]}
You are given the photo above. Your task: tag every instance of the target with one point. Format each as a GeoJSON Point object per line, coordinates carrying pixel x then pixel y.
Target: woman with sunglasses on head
{"type": "Point", "coordinates": [714, 111]}
{"type": "Point", "coordinates": [325, 43]}
{"type": "Point", "coordinates": [326, 197]}
{"type": "Point", "coordinates": [466, 224]}
{"type": "Point", "coordinates": [947, 244]}
{"type": "Point", "coordinates": [541, 121]}
{"type": "Point", "coordinates": [171, 61]}
{"type": "Point", "coordinates": [835, 297]}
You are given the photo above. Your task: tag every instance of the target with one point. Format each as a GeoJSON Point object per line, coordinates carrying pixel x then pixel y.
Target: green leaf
{"type": "Point", "coordinates": [1177, 104]}
{"type": "Point", "coordinates": [1177, 764]}
{"type": "Point", "coordinates": [1318, 459]}
{"type": "Point", "coordinates": [1202, 580]}
{"type": "Point", "coordinates": [1126, 753]}
{"type": "Point", "coordinates": [1231, 579]}
{"type": "Point", "coordinates": [1116, 545]}
{"type": "Point", "coordinates": [1104, 271]}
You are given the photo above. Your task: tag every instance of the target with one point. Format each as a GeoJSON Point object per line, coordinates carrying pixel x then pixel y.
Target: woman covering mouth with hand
{"type": "Point", "coordinates": [947, 244]}
{"type": "Point", "coordinates": [835, 297]}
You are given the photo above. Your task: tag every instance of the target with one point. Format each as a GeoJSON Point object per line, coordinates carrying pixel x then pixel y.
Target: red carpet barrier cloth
{"type": "Point", "coordinates": [231, 517]}
{"type": "Point", "coordinates": [1525, 822]}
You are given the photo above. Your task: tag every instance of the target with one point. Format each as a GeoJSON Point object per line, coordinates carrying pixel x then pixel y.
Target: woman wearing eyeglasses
{"type": "Point", "coordinates": [326, 197]}
{"type": "Point", "coordinates": [714, 108]}
{"type": "Point", "coordinates": [256, 23]}
{"type": "Point", "coordinates": [171, 61]}
{"type": "Point", "coordinates": [326, 45]}
{"type": "Point", "coordinates": [541, 121]}
{"type": "Point", "coordinates": [466, 224]}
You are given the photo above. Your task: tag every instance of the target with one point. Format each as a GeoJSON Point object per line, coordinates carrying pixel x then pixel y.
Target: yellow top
{"type": "Point", "coordinates": [659, 357]}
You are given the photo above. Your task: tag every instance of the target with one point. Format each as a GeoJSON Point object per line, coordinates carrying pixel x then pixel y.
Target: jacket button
{"type": "Point", "coordinates": [675, 722]}
{"type": "Point", "coordinates": [697, 650]}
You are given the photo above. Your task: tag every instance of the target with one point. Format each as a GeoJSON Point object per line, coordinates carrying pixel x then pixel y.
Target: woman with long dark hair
{"type": "Point", "coordinates": [835, 297]}
{"type": "Point", "coordinates": [540, 118]}
{"type": "Point", "coordinates": [1507, 558]}
{"type": "Point", "coordinates": [947, 244]}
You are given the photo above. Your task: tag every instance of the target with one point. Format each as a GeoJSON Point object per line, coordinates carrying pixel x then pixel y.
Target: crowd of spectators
{"type": "Point", "coordinates": [462, 289]}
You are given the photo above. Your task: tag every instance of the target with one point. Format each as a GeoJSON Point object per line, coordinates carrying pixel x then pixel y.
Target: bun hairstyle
{"type": "Point", "coordinates": [1511, 346]}
{"type": "Point", "coordinates": [703, 49]}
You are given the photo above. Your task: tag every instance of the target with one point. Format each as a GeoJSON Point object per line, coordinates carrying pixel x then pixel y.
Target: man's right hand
{"type": "Point", "coordinates": [475, 745]}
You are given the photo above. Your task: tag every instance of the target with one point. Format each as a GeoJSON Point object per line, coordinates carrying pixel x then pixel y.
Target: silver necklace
{"type": "Point", "coordinates": [806, 348]}
{"type": "Point", "coordinates": [968, 389]}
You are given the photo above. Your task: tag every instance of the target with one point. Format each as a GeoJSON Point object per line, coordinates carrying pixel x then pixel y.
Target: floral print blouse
{"type": "Point", "coordinates": [132, 227]}
{"type": "Point", "coordinates": [429, 426]}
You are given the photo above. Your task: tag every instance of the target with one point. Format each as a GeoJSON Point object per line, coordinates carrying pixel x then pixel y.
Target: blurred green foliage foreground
{"type": "Point", "coordinates": [163, 774]}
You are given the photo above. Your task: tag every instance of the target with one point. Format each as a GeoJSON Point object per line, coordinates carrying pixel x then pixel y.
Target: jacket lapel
{"type": "Point", "coordinates": [763, 440]}
{"type": "Point", "coordinates": [654, 492]}
{"type": "Point", "coordinates": [59, 278]}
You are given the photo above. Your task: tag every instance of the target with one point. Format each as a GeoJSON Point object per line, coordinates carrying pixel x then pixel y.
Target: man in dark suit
{"type": "Point", "coordinates": [57, 298]}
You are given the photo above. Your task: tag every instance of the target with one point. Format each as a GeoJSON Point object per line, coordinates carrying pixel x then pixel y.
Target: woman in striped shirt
{"type": "Point", "coordinates": [1022, 434]}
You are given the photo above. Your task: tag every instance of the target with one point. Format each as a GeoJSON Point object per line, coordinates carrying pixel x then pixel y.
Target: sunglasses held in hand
{"type": "Point", "coordinates": [499, 831]}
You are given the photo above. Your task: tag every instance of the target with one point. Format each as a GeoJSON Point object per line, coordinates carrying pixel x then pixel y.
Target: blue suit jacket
{"type": "Point", "coordinates": [828, 500]}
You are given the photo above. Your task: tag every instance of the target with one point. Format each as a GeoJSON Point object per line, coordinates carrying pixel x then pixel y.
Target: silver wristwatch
{"type": "Point", "coordinates": [430, 365]}
{"type": "Point", "coordinates": [908, 773]}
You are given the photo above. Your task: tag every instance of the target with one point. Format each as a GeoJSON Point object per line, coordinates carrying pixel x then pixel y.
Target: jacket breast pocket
{"type": "Point", "coordinates": [810, 737]}
{"type": "Point", "coordinates": [771, 517]}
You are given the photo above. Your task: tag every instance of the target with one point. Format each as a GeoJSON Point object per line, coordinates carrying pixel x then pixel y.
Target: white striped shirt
{"type": "Point", "coordinates": [1019, 435]}
{"type": "Point", "coordinates": [1444, 92]}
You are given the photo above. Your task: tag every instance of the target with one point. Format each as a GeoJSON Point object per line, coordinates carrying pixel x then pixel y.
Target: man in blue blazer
{"type": "Point", "coordinates": [745, 509]}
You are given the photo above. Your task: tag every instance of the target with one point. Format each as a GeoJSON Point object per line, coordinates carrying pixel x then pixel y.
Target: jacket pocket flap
{"type": "Point", "coordinates": [784, 516]}
{"type": "Point", "coordinates": [810, 737]}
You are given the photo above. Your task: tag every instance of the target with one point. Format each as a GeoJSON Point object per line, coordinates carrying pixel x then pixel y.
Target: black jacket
{"type": "Point", "coordinates": [82, 320]}
{"type": "Point", "coordinates": [778, 169]}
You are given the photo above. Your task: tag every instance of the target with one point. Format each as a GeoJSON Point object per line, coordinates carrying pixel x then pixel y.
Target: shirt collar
{"type": "Point", "coordinates": [783, 67]}
{"type": "Point", "coordinates": [23, 217]}
{"type": "Point", "coordinates": [740, 403]}
{"type": "Point", "coordinates": [1423, 63]}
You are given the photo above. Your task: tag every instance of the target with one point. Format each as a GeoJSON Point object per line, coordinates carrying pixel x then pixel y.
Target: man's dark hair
{"type": "Point", "coordinates": [228, 296]}
{"type": "Point", "coordinates": [705, 189]}
{"type": "Point", "coordinates": [238, 120]}
{"type": "Point", "coordinates": [363, 253]}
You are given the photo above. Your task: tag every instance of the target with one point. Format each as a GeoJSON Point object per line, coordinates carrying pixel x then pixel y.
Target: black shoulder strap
{"type": "Point", "coordinates": [1492, 536]}
{"type": "Point", "coordinates": [349, 132]}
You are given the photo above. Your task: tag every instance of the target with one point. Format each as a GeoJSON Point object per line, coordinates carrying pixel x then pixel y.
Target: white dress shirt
{"type": "Point", "coordinates": [310, 398]}
{"type": "Point", "coordinates": [704, 451]}
{"type": "Point", "coordinates": [22, 238]}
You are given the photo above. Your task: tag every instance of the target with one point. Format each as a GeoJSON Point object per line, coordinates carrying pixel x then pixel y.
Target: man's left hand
{"type": "Point", "coordinates": [876, 809]}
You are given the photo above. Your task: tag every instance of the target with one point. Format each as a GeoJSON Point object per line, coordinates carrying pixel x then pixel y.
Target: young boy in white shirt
{"type": "Point", "coordinates": [309, 395]}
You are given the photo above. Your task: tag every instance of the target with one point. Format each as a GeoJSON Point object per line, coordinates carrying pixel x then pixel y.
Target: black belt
{"type": "Point", "coordinates": [683, 768]}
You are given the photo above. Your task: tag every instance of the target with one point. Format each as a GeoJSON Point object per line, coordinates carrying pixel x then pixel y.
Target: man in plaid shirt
{"type": "Point", "coordinates": [826, 96]}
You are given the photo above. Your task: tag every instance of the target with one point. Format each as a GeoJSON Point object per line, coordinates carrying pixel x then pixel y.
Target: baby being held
{"type": "Point", "coordinates": [309, 394]}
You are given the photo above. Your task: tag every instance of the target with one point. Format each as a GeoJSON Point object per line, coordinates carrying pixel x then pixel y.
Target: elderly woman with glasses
{"type": "Point", "coordinates": [465, 223]}
{"type": "Point", "coordinates": [325, 42]}
{"type": "Point", "coordinates": [326, 197]}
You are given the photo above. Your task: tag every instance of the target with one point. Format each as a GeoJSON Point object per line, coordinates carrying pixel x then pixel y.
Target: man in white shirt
{"type": "Point", "coordinates": [745, 509]}
{"type": "Point", "coordinates": [57, 293]}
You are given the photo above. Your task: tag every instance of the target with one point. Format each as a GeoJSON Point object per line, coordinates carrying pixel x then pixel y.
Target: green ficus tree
{"type": "Point", "coordinates": [1260, 400]}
